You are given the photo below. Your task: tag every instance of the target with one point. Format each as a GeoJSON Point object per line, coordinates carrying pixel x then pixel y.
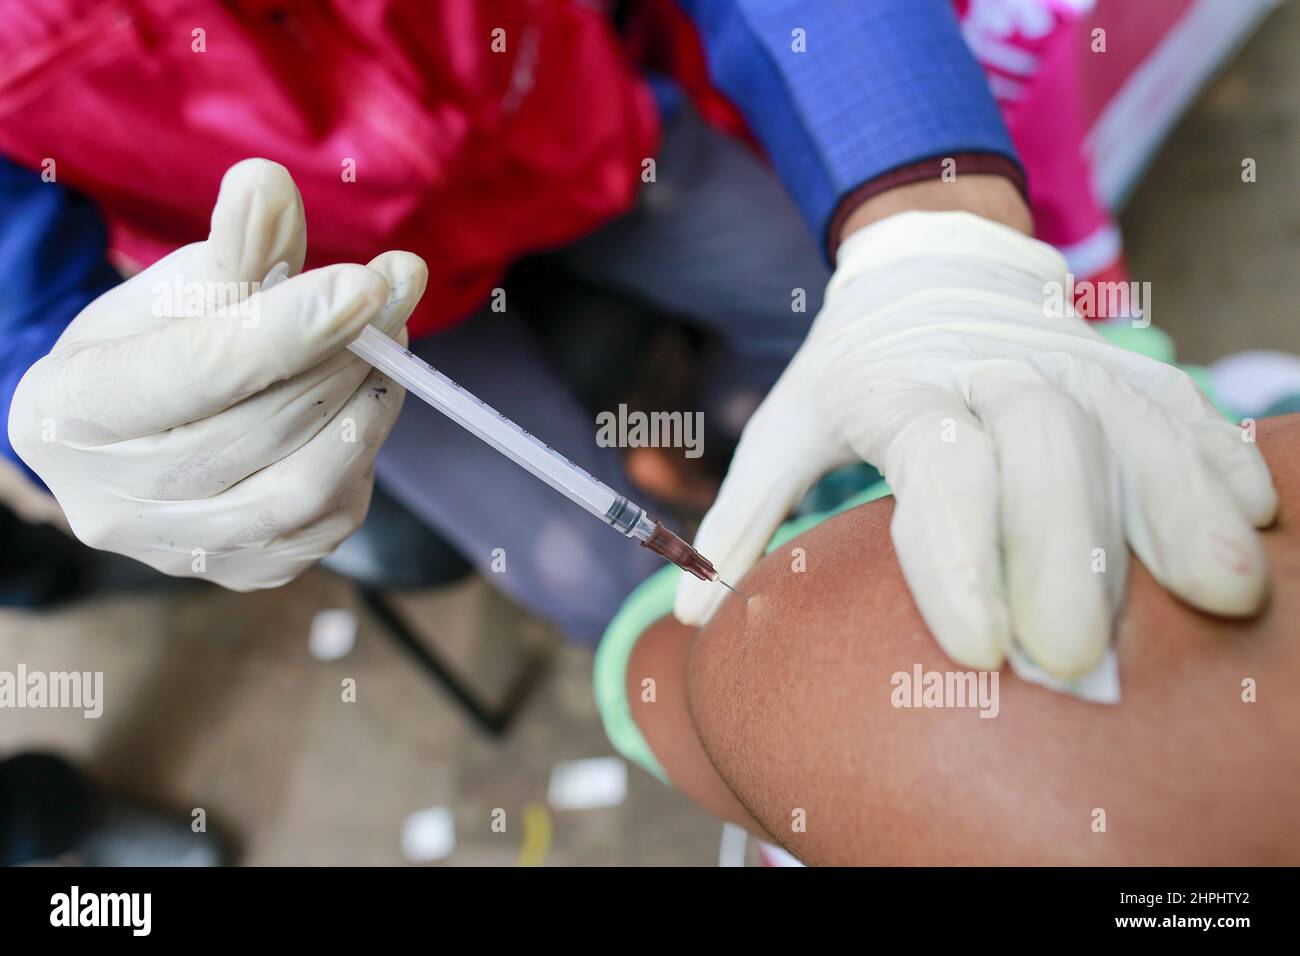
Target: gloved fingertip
{"type": "Point", "coordinates": [257, 175]}
{"type": "Point", "coordinates": [256, 220]}
{"type": "Point", "coordinates": [1264, 513]}
{"type": "Point", "coordinates": [969, 649]}
{"type": "Point", "coordinates": [696, 601]}
{"type": "Point", "coordinates": [1070, 644]}
{"type": "Point", "coordinates": [958, 589]}
{"type": "Point", "coordinates": [1247, 476]}
{"type": "Point", "coordinates": [398, 264]}
{"type": "Point", "coordinates": [1259, 503]}
{"type": "Point", "coordinates": [1227, 572]}
{"type": "Point", "coordinates": [407, 276]}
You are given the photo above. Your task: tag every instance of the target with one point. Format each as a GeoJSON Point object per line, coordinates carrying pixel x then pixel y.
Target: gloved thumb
{"type": "Point", "coordinates": [778, 459]}
{"type": "Point", "coordinates": [257, 222]}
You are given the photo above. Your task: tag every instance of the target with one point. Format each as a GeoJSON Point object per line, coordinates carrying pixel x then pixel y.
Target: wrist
{"type": "Point", "coordinates": [955, 251]}
{"type": "Point", "coordinates": [990, 197]}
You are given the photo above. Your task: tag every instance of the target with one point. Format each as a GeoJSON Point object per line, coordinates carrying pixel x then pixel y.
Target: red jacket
{"type": "Point", "coordinates": [467, 156]}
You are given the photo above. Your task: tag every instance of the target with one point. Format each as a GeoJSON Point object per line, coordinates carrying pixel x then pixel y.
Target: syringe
{"type": "Point", "coordinates": [523, 448]}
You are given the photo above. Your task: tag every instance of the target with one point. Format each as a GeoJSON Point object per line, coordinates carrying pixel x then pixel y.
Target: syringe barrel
{"type": "Point", "coordinates": [484, 421]}
{"type": "Point", "coordinates": [565, 476]}
{"type": "Point", "coordinates": [626, 516]}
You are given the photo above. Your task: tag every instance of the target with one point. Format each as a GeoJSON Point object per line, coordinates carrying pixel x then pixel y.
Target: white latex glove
{"type": "Point", "coordinates": [1016, 444]}
{"type": "Point", "coordinates": [234, 443]}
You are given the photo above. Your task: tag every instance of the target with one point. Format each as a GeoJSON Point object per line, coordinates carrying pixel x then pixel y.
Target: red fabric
{"type": "Point", "coordinates": [463, 155]}
{"type": "Point", "coordinates": [661, 38]}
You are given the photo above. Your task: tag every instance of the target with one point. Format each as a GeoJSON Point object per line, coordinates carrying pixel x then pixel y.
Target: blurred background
{"type": "Point", "coordinates": [233, 703]}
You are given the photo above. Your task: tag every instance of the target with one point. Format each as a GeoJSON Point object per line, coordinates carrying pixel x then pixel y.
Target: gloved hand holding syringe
{"type": "Point", "coordinates": [523, 448]}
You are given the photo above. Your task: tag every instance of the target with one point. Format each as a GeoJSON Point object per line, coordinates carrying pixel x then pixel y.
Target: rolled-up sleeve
{"type": "Point", "coordinates": [842, 93]}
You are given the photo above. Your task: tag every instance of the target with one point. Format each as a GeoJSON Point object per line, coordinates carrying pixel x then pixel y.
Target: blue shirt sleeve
{"type": "Point", "coordinates": [881, 84]}
{"type": "Point", "coordinates": [53, 246]}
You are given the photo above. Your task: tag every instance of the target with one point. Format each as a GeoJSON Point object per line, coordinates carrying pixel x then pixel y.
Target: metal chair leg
{"type": "Point", "coordinates": [492, 720]}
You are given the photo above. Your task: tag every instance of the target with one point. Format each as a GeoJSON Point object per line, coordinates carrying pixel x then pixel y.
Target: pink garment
{"type": "Point", "coordinates": [1030, 51]}
{"type": "Point", "coordinates": [1089, 89]}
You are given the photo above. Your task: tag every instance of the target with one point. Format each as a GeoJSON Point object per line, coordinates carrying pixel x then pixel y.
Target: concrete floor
{"type": "Point", "coordinates": [214, 701]}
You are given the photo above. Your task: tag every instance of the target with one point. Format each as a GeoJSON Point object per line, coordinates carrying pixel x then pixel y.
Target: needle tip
{"type": "Point", "coordinates": [732, 590]}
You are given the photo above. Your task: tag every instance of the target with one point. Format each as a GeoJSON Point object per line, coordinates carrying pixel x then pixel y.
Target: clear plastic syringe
{"type": "Point", "coordinates": [520, 446]}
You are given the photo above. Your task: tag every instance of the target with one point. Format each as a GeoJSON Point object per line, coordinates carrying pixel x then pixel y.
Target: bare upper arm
{"type": "Point", "coordinates": [791, 698]}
